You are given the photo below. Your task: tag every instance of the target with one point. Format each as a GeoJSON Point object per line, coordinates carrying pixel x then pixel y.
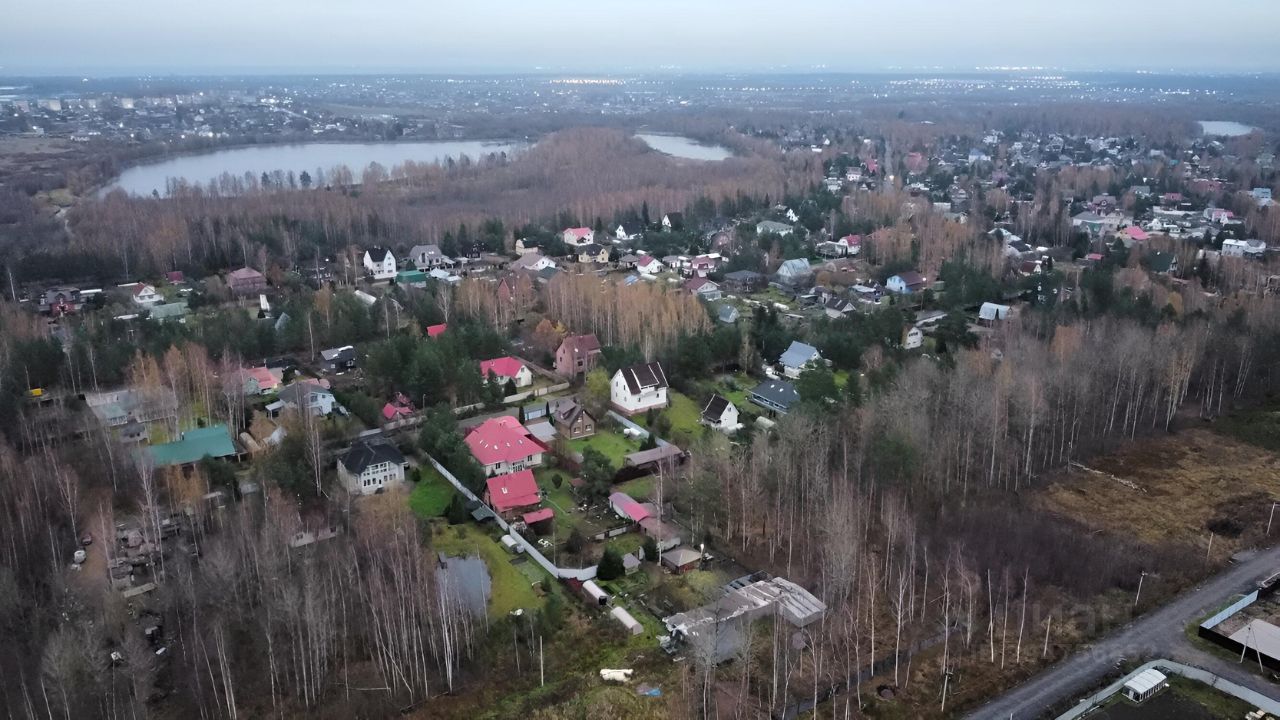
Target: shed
{"type": "Point", "coordinates": [600, 597]}
{"type": "Point", "coordinates": [632, 625]}
{"type": "Point", "coordinates": [1144, 685]}
{"type": "Point", "coordinates": [681, 559]}
{"type": "Point", "coordinates": [510, 544]}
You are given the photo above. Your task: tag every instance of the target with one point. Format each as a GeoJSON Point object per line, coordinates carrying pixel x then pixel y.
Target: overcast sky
{"type": "Point", "coordinates": [97, 37]}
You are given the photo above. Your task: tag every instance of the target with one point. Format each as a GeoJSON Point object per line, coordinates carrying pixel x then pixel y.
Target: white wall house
{"type": "Point", "coordinates": [912, 338]}
{"type": "Point", "coordinates": [368, 467]}
{"type": "Point", "coordinates": [380, 263]}
{"type": "Point", "coordinates": [577, 237]}
{"type": "Point", "coordinates": [145, 295]}
{"type": "Point", "coordinates": [720, 414]}
{"type": "Point", "coordinates": [639, 388]}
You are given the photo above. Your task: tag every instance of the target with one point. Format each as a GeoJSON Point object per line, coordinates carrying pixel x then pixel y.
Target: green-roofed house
{"type": "Point", "coordinates": [213, 441]}
{"type": "Point", "coordinates": [413, 278]}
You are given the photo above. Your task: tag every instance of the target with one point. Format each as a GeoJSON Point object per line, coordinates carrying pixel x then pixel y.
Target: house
{"type": "Point", "coordinates": [145, 295]}
{"type": "Point", "coordinates": [649, 265]}
{"type": "Point", "coordinates": [576, 237]}
{"type": "Point", "coordinates": [593, 254]}
{"type": "Point", "coordinates": [1162, 262]}
{"type": "Point", "coordinates": [117, 407]}
{"type": "Point", "coordinates": [639, 388]}
{"type": "Point", "coordinates": [797, 358]}
{"type": "Point", "coordinates": [1244, 248]}
{"type": "Point", "coordinates": [673, 221]}
{"type": "Point", "coordinates": [681, 559]}
{"type": "Point", "coordinates": [506, 368]}
{"type": "Point", "coordinates": [61, 301]}
{"type": "Point", "coordinates": [511, 492]}
{"type": "Point", "coordinates": [502, 445]}
{"type": "Point", "coordinates": [379, 263]}
{"type": "Point", "coordinates": [775, 395]}
{"type": "Point", "coordinates": [1096, 224]}
{"type": "Point", "coordinates": [427, 257]}
{"type": "Point", "coordinates": [626, 231]}
{"type": "Point", "coordinates": [703, 288]}
{"type": "Point", "coordinates": [193, 446]}
{"type": "Point", "coordinates": [727, 314]}
{"type": "Point", "coordinates": [744, 281]}
{"type": "Point", "coordinates": [525, 246]}
{"type": "Point", "coordinates": [532, 262]}
{"type": "Point", "coordinates": [912, 337]}
{"type": "Point", "coordinates": [765, 227]}
{"type": "Point", "coordinates": [1133, 234]}
{"type": "Point", "coordinates": [572, 420]}
{"type": "Point", "coordinates": [795, 272]}
{"type": "Point", "coordinates": [906, 283]}
{"type": "Point", "coordinates": [721, 415]}
{"type": "Point", "coordinates": [847, 245]}
{"type": "Point", "coordinates": [1262, 196]}
{"type": "Point", "coordinates": [703, 265]}
{"type": "Point", "coordinates": [577, 355]}
{"type": "Point", "coordinates": [990, 313]}
{"type": "Point", "coordinates": [369, 466]}
{"type": "Point", "coordinates": [338, 360]}
{"type": "Point", "coordinates": [837, 307]}
{"type": "Point", "coordinates": [165, 312]}
{"type": "Point", "coordinates": [306, 395]}
{"type": "Point", "coordinates": [175, 277]}
{"type": "Point", "coordinates": [398, 408]}
{"type": "Point", "coordinates": [435, 331]}
{"type": "Point", "coordinates": [246, 281]}
{"type": "Point", "coordinates": [260, 381]}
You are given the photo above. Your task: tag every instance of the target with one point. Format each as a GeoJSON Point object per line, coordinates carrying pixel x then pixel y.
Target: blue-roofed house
{"type": "Point", "coordinates": [797, 357]}
{"type": "Point", "coordinates": [775, 395]}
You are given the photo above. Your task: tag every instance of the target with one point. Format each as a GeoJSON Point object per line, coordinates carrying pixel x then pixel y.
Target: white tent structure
{"type": "Point", "coordinates": [632, 625]}
{"type": "Point", "coordinates": [1144, 685]}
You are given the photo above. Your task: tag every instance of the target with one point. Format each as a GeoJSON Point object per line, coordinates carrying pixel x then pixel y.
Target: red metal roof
{"type": "Point", "coordinates": [507, 367]}
{"type": "Point", "coordinates": [436, 330]}
{"type": "Point", "coordinates": [501, 439]}
{"type": "Point", "coordinates": [628, 506]}
{"type": "Point", "coordinates": [538, 515]}
{"type": "Point", "coordinates": [514, 490]}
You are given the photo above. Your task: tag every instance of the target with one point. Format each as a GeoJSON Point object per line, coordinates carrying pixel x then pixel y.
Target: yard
{"type": "Point", "coordinates": [1185, 699]}
{"type": "Point", "coordinates": [611, 443]}
{"type": "Point", "coordinates": [511, 588]}
{"type": "Point", "coordinates": [432, 494]}
{"type": "Point", "coordinates": [639, 489]}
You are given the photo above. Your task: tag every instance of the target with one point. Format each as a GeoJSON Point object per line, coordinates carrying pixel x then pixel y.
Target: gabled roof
{"type": "Point", "coordinates": [715, 408]}
{"type": "Point", "coordinates": [579, 232]}
{"type": "Point", "coordinates": [911, 278]}
{"type": "Point", "coordinates": [697, 285]}
{"type": "Point", "coordinates": [376, 254]}
{"type": "Point", "coordinates": [513, 490]}
{"type": "Point", "coordinates": [538, 515]}
{"type": "Point", "coordinates": [798, 354]}
{"type": "Point", "coordinates": [527, 261]}
{"type": "Point", "coordinates": [625, 504]}
{"type": "Point", "coordinates": [296, 392]}
{"type": "Point", "coordinates": [141, 288]}
{"type": "Point", "coordinates": [425, 251]}
{"type": "Point", "coordinates": [213, 441]}
{"type": "Point", "coordinates": [436, 330]}
{"type": "Point", "coordinates": [501, 439]}
{"type": "Point", "coordinates": [364, 453]}
{"type": "Point", "coordinates": [647, 376]}
{"type": "Point", "coordinates": [265, 379]}
{"type": "Point", "coordinates": [506, 367]}
{"type": "Point", "coordinates": [580, 344]}
{"type": "Point", "coordinates": [778, 392]}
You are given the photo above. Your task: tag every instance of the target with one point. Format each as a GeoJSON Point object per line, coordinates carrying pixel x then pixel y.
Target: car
{"type": "Point", "coordinates": [79, 557]}
{"type": "Point", "coordinates": [86, 539]}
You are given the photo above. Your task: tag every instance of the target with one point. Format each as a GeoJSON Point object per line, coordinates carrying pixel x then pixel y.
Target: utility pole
{"type": "Point", "coordinates": [1136, 597]}
{"type": "Point", "coordinates": [1270, 517]}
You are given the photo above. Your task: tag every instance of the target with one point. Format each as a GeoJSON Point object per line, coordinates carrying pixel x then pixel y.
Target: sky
{"type": "Point", "coordinates": [96, 37]}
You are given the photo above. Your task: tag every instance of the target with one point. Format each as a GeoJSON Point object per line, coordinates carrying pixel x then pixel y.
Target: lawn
{"type": "Point", "coordinates": [684, 414]}
{"type": "Point", "coordinates": [510, 588]}
{"type": "Point", "coordinates": [613, 444]}
{"type": "Point", "coordinates": [639, 489]}
{"type": "Point", "coordinates": [432, 494]}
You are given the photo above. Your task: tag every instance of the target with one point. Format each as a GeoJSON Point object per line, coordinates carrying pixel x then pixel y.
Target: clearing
{"type": "Point", "coordinates": [510, 586]}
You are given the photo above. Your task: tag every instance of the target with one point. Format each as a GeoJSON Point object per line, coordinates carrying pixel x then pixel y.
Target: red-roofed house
{"type": "Point", "coordinates": [576, 237]}
{"type": "Point", "coordinates": [506, 493]}
{"type": "Point", "coordinates": [175, 277]}
{"type": "Point", "coordinates": [539, 520]}
{"type": "Point", "coordinates": [506, 368]}
{"type": "Point", "coordinates": [144, 294]}
{"type": "Point", "coordinates": [503, 445]}
{"type": "Point", "coordinates": [260, 381]}
{"type": "Point", "coordinates": [436, 330]}
{"type": "Point", "coordinates": [1136, 234]}
{"type": "Point", "coordinates": [398, 409]}
{"type": "Point", "coordinates": [649, 265]}
{"type": "Point", "coordinates": [704, 288]}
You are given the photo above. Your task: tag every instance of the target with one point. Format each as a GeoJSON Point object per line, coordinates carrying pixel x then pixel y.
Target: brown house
{"type": "Point", "coordinates": [577, 355]}
{"type": "Point", "coordinates": [246, 281]}
{"type": "Point", "coordinates": [572, 420]}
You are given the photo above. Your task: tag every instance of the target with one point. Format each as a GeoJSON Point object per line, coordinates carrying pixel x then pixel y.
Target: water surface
{"type": "Point", "coordinates": [683, 147]}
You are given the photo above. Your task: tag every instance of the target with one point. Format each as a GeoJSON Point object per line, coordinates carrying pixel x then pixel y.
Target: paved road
{"type": "Point", "coordinates": [1159, 633]}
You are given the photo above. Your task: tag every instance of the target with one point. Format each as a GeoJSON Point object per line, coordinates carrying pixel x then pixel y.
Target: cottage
{"type": "Point", "coordinates": [837, 307]}
{"type": "Point", "coordinates": [576, 237]}
{"type": "Point", "coordinates": [428, 257]}
{"type": "Point", "coordinates": [145, 295]}
{"type": "Point", "coordinates": [639, 388]}
{"type": "Point", "coordinates": [766, 227]}
{"type": "Point", "coordinates": [681, 559]}
{"type": "Point", "coordinates": [379, 263]}
{"type": "Point", "coordinates": [906, 283]}
{"type": "Point", "coordinates": [577, 355]}
{"type": "Point", "coordinates": [571, 419]}
{"type": "Point", "coordinates": [246, 281]}
{"type": "Point", "coordinates": [369, 466]}
{"type": "Point", "coordinates": [727, 314]}
{"type": "Point", "coordinates": [511, 492]}
{"type": "Point", "coordinates": [193, 446]}
{"type": "Point", "coordinates": [260, 381]}
{"type": "Point", "coordinates": [398, 408]}
{"type": "Point", "coordinates": [703, 289]}
{"type": "Point", "coordinates": [503, 445]}
{"type": "Point", "coordinates": [506, 368]}
{"type": "Point", "coordinates": [721, 415]}
{"type": "Point", "coordinates": [744, 281]}
{"type": "Point", "coordinates": [626, 231]}
{"type": "Point", "coordinates": [649, 265]}
{"type": "Point", "coordinates": [775, 395]}
{"type": "Point", "coordinates": [593, 253]}
{"type": "Point", "coordinates": [673, 221]}
{"type": "Point", "coordinates": [61, 301]}
{"type": "Point", "coordinates": [306, 395]}
{"type": "Point", "coordinates": [338, 360]}
{"type": "Point", "coordinates": [524, 246]}
{"type": "Point", "coordinates": [847, 245]}
{"type": "Point", "coordinates": [795, 273]}
{"type": "Point", "coordinates": [1244, 248]}
{"type": "Point", "coordinates": [797, 358]}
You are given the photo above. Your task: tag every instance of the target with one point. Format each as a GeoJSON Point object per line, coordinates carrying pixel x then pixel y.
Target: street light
{"type": "Point", "coordinates": [1139, 594]}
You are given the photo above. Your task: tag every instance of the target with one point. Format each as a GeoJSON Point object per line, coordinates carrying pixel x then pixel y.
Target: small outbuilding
{"type": "Point", "coordinates": [630, 623]}
{"type": "Point", "coordinates": [593, 591]}
{"type": "Point", "coordinates": [681, 559]}
{"type": "Point", "coordinates": [1144, 685]}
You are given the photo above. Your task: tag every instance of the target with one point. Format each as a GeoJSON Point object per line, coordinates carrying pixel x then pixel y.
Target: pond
{"type": "Point", "coordinates": [467, 578]}
{"type": "Point", "coordinates": [1224, 128]}
{"type": "Point", "coordinates": [683, 147]}
{"type": "Point", "coordinates": [315, 158]}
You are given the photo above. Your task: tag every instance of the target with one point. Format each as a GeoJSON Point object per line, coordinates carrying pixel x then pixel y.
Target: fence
{"type": "Point", "coordinates": [1207, 629]}
{"type": "Point", "coordinates": [1168, 666]}
{"type": "Point", "coordinates": [529, 548]}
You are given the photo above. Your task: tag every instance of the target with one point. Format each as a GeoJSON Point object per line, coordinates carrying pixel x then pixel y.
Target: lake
{"type": "Point", "coordinates": [683, 147]}
{"type": "Point", "coordinates": [1224, 128]}
{"type": "Point", "coordinates": [205, 167]}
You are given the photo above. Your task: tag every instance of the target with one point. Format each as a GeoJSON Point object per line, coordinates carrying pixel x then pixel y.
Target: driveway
{"type": "Point", "coordinates": [1159, 633]}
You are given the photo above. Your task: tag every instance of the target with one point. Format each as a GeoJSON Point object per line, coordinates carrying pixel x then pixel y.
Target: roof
{"type": "Point", "coordinates": [628, 507]}
{"type": "Point", "coordinates": [992, 311]}
{"type": "Point", "coordinates": [338, 352]}
{"type": "Point", "coordinates": [795, 268]}
{"type": "Point", "coordinates": [778, 392]}
{"type": "Point", "coordinates": [1146, 680]}
{"type": "Point", "coordinates": [501, 439]}
{"type": "Point", "coordinates": [647, 260]}
{"type": "Point", "coordinates": [799, 354]}
{"type": "Point", "coordinates": [697, 284]}
{"type": "Point", "coordinates": [579, 231]}
{"type": "Point", "coordinates": [296, 392]}
{"type": "Point", "coordinates": [418, 251]}
{"type": "Point", "coordinates": [437, 330]}
{"type": "Point", "coordinates": [364, 453]}
{"type": "Point", "coordinates": [513, 490]}
{"type": "Point", "coordinates": [169, 310]}
{"type": "Point", "coordinates": [681, 556]}
{"type": "Point", "coordinates": [244, 273]}
{"type": "Point", "coordinates": [910, 278]}
{"type": "Point", "coordinates": [580, 344]}
{"type": "Point", "coordinates": [376, 254]}
{"type": "Point", "coordinates": [213, 441]}
{"type": "Point", "coordinates": [538, 515]}
{"type": "Point", "coordinates": [527, 261]}
{"type": "Point", "coordinates": [265, 379]}
{"type": "Point", "coordinates": [141, 288]}
{"type": "Point", "coordinates": [1136, 233]}
{"type": "Point", "coordinates": [658, 454]}
{"type": "Point", "coordinates": [507, 367]}
{"type": "Point", "coordinates": [647, 376]}
{"type": "Point", "coordinates": [715, 408]}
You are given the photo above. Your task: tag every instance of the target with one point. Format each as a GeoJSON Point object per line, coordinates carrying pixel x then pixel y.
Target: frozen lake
{"type": "Point", "coordinates": [1225, 128]}
{"type": "Point", "coordinates": [684, 147]}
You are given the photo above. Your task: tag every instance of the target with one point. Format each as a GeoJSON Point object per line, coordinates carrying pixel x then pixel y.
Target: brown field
{"type": "Point", "coordinates": [1176, 488]}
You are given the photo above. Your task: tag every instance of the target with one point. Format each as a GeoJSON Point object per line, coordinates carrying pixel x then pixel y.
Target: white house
{"type": "Point", "coordinates": [576, 237]}
{"type": "Point", "coordinates": [721, 415]}
{"type": "Point", "coordinates": [627, 231]}
{"type": "Point", "coordinates": [649, 265]}
{"type": "Point", "coordinates": [426, 257]}
{"type": "Point", "coordinates": [532, 262]}
{"type": "Point", "coordinates": [306, 395]}
{"type": "Point", "coordinates": [368, 467]}
{"type": "Point", "coordinates": [639, 388]}
{"type": "Point", "coordinates": [380, 263]}
{"type": "Point", "coordinates": [912, 337]}
{"type": "Point", "coordinates": [507, 368]}
{"type": "Point", "coordinates": [145, 295]}
{"type": "Point", "coordinates": [1244, 248]}
{"type": "Point", "coordinates": [797, 357]}
{"type": "Point", "coordinates": [905, 283]}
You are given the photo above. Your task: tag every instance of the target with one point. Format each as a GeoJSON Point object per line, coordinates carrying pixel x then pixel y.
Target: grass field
{"type": "Point", "coordinates": [613, 444]}
{"type": "Point", "coordinates": [511, 589]}
{"type": "Point", "coordinates": [1185, 699]}
{"type": "Point", "coordinates": [432, 494]}
{"type": "Point", "coordinates": [638, 489]}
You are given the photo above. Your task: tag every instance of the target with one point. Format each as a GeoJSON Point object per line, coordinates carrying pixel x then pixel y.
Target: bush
{"type": "Point", "coordinates": [610, 567]}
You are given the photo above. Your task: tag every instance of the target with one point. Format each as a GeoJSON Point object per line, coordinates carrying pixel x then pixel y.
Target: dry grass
{"type": "Point", "coordinates": [1187, 485]}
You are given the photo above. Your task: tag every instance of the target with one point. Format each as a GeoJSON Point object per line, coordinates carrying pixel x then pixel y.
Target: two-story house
{"type": "Point", "coordinates": [428, 257]}
{"type": "Point", "coordinates": [577, 355]}
{"type": "Point", "coordinates": [369, 466]}
{"type": "Point", "coordinates": [577, 237]}
{"type": "Point", "coordinates": [145, 295]}
{"type": "Point", "coordinates": [639, 388]}
{"type": "Point", "coordinates": [380, 263]}
{"type": "Point", "coordinates": [906, 283]}
{"type": "Point", "coordinates": [571, 419]}
{"type": "Point", "coordinates": [502, 445]}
